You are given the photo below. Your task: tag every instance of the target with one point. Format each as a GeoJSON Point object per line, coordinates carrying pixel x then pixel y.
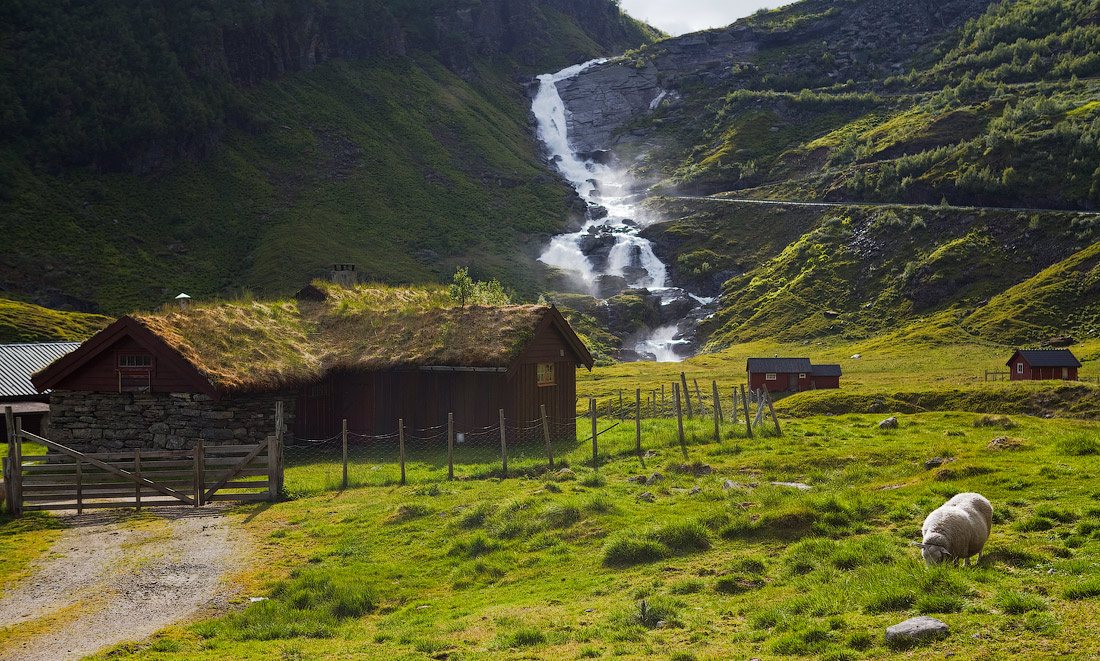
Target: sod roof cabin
{"type": "Point", "coordinates": [216, 372]}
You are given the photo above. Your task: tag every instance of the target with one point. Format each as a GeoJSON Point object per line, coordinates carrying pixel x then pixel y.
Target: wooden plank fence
{"type": "Point", "coordinates": [67, 479]}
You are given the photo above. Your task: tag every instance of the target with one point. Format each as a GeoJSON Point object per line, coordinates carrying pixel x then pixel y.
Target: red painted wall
{"type": "Point", "coordinates": [101, 373]}
{"type": "Point", "coordinates": [782, 382]}
{"type": "Point", "coordinates": [1040, 373]}
{"type": "Point", "coordinates": [826, 382]}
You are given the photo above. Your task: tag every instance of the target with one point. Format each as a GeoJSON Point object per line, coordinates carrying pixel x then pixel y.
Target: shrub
{"type": "Point", "coordinates": [629, 550]}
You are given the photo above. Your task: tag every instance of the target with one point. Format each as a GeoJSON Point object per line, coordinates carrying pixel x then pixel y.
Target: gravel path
{"type": "Point", "coordinates": [111, 579]}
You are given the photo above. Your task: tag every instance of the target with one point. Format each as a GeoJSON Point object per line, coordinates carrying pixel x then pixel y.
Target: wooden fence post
{"type": "Point", "coordinates": [638, 424]}
{"type": "Point", "coordinates": [699, 398]}
{"type": "Point", "coordinates": [137, 474]}
{"type": "Point", "coordinates": [758, 419]}
{"type": "Point", "coordinates": [717, 412]}
{"type": "Point", "coordinates": [595, 448]}
{"type": "Point", "coordinates": [19, 466]}
{"type": "Point", "coordinates": [733, 414]}
{"type": "Point", "coordinates": [13, 467]}
{"type": "Point", "coordinates": [401, 446]}
{"type": "Point", "coordinates": [503, 445]}
{"type": "Point", "coordinates": [274, 455]}
{"type": "Point", "coordinates": [620, 405]}
{"type": "Point", "coordinates": [546, 434]}
{"type": "Point", "coordinates": [200, 479]}
{"type": "Point", "coordinates": [79, 489]}
{"type": "Point", "coordinates": [684, 394]}
{"type": "Point", "coordinates": [717, 401]}
{"type": "Point", "coordinates": [679, 418]}
{"type": "Point", "coordinates": [344, 443]}
{"type": "Point", "coordinates": [768, 399]}
{"type": "Point", "coordinates": [748, 419]}
{"type": "Point", "coordinates": [450, 446]}
{"type": "Point", "coordinates": [662, 400]}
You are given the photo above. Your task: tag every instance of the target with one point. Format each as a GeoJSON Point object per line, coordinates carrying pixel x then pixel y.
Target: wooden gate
{"type": "Point", "coordinates": [66, 479]}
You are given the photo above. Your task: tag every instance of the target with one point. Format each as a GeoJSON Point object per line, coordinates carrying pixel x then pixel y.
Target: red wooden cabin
{"type": "Point", "coordinates": [1043, 364]}
{"type": "Point", "coordinates": [791, 374]}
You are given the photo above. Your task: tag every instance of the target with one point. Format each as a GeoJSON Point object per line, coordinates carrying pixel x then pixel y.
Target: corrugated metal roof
{"type": "Point", "coordinates": [1049, 358]}
{"type": "Point", "coordinates": [827, 370]}
{"type": "Point", "coordinates": [780, 365]}
{"type": "Point", "coordinates": [19, 361]}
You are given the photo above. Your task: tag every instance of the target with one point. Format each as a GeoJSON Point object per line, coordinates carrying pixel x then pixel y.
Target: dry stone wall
{"type": "Point", "coordinates": [110, 422]}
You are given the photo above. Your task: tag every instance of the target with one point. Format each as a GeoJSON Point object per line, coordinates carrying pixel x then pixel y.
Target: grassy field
{"type": "Point", "coordinates": [583, 564]}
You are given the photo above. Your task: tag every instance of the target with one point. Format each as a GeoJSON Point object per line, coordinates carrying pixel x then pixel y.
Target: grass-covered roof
{"type": "Point", "coordinates": [260, 345]}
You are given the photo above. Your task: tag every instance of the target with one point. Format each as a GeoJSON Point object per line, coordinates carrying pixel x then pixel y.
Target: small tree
{"type": "Point", "coordinates": [466, 290]}
{"type": "Point", "coordinates": [463, 288]}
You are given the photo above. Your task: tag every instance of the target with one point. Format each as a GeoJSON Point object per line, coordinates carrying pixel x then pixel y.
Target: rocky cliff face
{"type": "Point", "coordinates": [872, 37]}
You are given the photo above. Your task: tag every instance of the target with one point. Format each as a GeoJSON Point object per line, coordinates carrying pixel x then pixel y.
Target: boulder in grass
{"type": "Point", "coordinates": [889, 423]}
{"type": "Point", "coordinates": [915, 630]}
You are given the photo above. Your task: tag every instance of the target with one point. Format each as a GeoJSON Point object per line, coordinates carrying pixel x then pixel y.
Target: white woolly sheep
{"type": "Point", "coordinates": [957, 529]}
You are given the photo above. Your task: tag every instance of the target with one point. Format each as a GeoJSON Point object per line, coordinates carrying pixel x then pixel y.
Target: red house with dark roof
{"type": "Point", "coordinates": [1043, 364]}
{"type": "Point", "coordinates": [791, 374]}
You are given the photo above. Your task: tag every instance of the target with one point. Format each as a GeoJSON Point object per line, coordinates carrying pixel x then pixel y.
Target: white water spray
{"type": "Point", "coordinates": [631, 256]}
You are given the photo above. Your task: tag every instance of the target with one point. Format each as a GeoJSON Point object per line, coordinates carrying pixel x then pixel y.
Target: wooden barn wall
{"type": "Point", "coordinates": [100, 374]}
{"type": "Point", "coordinates": [526, 396]}
{"type": "Point", "coordinates": [373, 402]}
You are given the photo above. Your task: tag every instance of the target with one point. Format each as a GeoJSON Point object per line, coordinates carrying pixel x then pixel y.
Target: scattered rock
{"type": "Point", "coordinates": [954, 432]}
{"type": "Point", "coordinates": [794, 485]}
{"type": "Point", "coordinates": [1005, 443]}
{"type": "Point", "coordinates": [661, 624]}
{"type": "Point", "coordinates": [654, 479]}
{"type": "Point", "coordinates": [565, 472]}
{"type": "Point", "coordinates": [730, 484]}
{"type": "Point", "coordinates": [915, 630]}
{"type": "Point", "coordinates": [649, 454]}
{"type": "Point", "coordinates": [855, 355]}
{"type": "Point", "coordinates": [889, 423]}
{"type": "Point", "coordinates": [935, 462]}
{"type": "Point", "coordinates": [647, 496]}
{"type": "Point", "coordinates": [640, 479]}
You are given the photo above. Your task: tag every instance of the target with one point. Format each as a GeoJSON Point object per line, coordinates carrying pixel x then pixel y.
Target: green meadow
{"type": "Point", "coordinates": [709, 561]}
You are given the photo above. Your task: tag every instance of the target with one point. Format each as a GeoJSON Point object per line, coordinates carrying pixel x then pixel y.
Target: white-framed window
{"type": "Point", "coordinates": [135, 361]}
{"type": "Point", "coordinates": [769, 376]}
{"type": "Point", "coordinates": [545, 372]}
{"type": "Point", "coordinates": [1019, 368]}
{"type": "Point", "coordinates": [802, 375]}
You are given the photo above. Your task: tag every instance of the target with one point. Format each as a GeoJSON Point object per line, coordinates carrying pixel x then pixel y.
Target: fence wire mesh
{"type": "Point", "coordinates": [316, 465]}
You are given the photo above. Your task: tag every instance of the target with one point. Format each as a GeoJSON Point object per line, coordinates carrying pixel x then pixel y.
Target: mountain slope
{"type": "Point", "coordinates": [212, 147]}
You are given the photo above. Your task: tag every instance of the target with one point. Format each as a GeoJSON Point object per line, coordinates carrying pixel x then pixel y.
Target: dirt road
{"type": "Point", "coordinates": [116, 576]}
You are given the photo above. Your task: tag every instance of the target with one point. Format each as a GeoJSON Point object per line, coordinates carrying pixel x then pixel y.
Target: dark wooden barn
{"type": "Point", "coordinates": [791, 374]}
{"type": "Point", "coordinates": [164, 381]}
{"type": "Point", "coordinates": [1043, 364]}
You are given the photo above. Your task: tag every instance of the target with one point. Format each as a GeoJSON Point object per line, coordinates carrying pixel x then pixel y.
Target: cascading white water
{"type": "Point", "coordinates": [631, 257]}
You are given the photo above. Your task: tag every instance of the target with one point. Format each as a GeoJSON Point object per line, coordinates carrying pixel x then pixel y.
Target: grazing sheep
{"type": "Point", "coordinates": [957, 529]}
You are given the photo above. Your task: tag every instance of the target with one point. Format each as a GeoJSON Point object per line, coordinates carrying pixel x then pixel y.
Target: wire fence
{"type": "Point", "coordinates": [434, 454]}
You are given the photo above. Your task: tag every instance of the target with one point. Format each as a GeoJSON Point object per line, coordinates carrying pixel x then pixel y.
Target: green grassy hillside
{"type": "Point", "coordinates": [581, 564]}
{"type": "Point", "coordinates": [26, 322]}
{"type": "Point", "coordinates": [406, 159]}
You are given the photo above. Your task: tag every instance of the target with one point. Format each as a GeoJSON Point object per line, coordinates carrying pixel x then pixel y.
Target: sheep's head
{"type": "Point", "coordinates": [933, 554]}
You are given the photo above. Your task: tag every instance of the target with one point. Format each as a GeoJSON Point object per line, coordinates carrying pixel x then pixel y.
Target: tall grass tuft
{"type": "Point", "coordinates": [1086, 590]}
{"type": "Point", "coordinates": [627, 550]}
{"type": "Point", "coordinates": [1078, 445]}
{"type": "Point", "coordinates": [1015, 602]}
{"type": "Point", "coordinates": [684, 537]}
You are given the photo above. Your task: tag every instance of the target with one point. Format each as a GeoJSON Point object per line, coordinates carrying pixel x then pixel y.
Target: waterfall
{"type": "Point", "coordinates": [612, 223]}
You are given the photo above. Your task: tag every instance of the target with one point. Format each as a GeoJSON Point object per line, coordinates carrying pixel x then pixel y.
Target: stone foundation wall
{"type": "Point", "coordinates": [109, 422]}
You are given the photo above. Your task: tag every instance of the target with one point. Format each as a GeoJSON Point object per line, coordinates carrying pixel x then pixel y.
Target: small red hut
{"type": "Point", "coordinates": [1043, 364]}
{"type": "Point", "coordinates": [791, 374]}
